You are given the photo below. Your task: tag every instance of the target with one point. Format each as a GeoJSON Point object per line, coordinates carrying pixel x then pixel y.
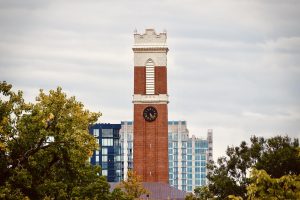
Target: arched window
{"type": "Point", "coordinates": [150, 79]}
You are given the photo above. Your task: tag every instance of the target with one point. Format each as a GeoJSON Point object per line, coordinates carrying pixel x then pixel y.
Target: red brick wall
{"type": "Point", "coordinates": [160, 80]}
{"type": "Point", "coordinates": [139, 80]}
{"type": "Point", "coordinates": [152, 158]}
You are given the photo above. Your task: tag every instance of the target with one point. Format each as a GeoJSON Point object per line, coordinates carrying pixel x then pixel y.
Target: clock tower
{"type": "Point", "coordinates": [150, 101]}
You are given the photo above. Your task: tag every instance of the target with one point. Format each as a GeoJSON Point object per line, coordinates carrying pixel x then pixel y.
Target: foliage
{"type": "Point", "coordinates": [232, 197]}
{"type": "Point", "coordinates": [200, 193]}
{"type": "Point", "coordinates": [278, 156]}
{"type": "Point", "coordinates": [45, 146]}
{"type": "Point", "coordinates": [133, 187]}
{"type": "Point", "coordinates": [265, 187]}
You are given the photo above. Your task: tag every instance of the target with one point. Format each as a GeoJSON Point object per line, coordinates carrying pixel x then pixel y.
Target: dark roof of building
{"type": "Point", "coordinates": [160, 191]}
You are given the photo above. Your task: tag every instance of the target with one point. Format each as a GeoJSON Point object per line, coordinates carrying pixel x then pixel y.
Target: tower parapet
{"type": "Point", "coordinates": [153, 43]}
{"type": "Point", "coordinates": [150, 39]}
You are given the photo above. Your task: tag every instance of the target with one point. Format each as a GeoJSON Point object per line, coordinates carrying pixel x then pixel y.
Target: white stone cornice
{"type": "Point", "coordinates": [148, 99]}
{"type": "Point", "coordinates": [151, 45]}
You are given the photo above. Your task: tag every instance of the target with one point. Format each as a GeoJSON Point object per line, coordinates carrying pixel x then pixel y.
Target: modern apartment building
{"type": "Point", "coordinates": [188, 156]}
{"type": "Point", "coordinates": [126, 140]}
{"type": "Point", "coordinates": [108, 156]}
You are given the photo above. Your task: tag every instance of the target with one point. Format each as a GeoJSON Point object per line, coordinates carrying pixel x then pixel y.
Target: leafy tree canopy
{"type": "Point", "coordinates": [264, 187]}
{"type": "Point", "coordinates": [133, 187]}
{"type": "Point", "coordinates": [45, 146]}
{"type": "Point", "coordinates": [200, 193]}
{"type": "Point", "coordinates": [278, 156]}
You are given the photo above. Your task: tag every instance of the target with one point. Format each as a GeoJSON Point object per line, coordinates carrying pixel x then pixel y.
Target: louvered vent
{"type": "Point", "coordinates": [150, 77]}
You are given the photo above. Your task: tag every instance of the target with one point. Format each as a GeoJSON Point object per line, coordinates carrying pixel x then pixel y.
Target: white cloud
{"type": "Point", "coordinates": [233, 66]}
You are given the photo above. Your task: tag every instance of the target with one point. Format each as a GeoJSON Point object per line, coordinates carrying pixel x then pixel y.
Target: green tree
{"type": "Point", "coordinates": [277, 155]}
{"type": "Point", "coordinates": [44, 148]}
{"type": "Point", "coordinates": [264, 187]}
{"type": "Point", "coordinates": [200, 193]}
{"type": "Point", "coordinates": [133, 186]}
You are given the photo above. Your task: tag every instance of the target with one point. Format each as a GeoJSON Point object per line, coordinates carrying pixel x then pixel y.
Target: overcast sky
{"type": "Point", "coordinates": [233, 66]}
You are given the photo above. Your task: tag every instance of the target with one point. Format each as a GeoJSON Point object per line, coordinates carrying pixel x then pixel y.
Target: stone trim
{"type": "Point", "coordinates": [149, 99]}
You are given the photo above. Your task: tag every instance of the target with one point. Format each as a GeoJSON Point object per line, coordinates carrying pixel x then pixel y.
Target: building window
{"type": "Point", "coordinates": [104, 165]}
{"type": "Point", "coordinates": [104, 172]}
{"type": "Point", "coordinates": [189, 157]}
{"type": "Point", "coordinates": [175, 164]}
{"type": "Point", "coordinates": [175, 136]}
{"type": "Point", "coordinates": [190, 188]}
{"type": "Point", "coordinates": [175, 151]}
{"type": "Point", "coordinates": [104, 158]}
{"type": "Point", "coordinates": [203, 157]}
{"type": "Point", "coordinates": [107, 132]}
{"type": "Point", "coordinates": [107, 142]}
{"type": "Point", "coordinates": [116, 142]}
{"type": "Point", "coordinates": [117, 158]}
{"type": "Point", "coordinates": [96, 132]}
{"type": "Point", "coordinates": [200, 151]}
{"type": "Point", "coordinates": [104, 150]}
{"type": "Point", "coordinates": [175, 144]}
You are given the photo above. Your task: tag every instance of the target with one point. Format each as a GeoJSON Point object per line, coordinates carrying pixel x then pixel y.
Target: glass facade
{"type": "Point", "coordinates": [108, 156]}
{"type": "Point", "coordinates": [188, 157]}
{"type": "Point", "coordinates": [126, 139]}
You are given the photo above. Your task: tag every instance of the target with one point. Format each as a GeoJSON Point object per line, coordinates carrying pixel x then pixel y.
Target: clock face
{"type": "Point", "coordinates": [150, 114]}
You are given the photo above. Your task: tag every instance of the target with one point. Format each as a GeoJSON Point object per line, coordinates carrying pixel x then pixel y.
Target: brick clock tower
{"type": "Point", "coordinates": [150, 102]}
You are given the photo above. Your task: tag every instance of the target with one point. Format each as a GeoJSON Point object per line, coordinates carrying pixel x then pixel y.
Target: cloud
{"type": "Point", "coordinates": [233, 66]}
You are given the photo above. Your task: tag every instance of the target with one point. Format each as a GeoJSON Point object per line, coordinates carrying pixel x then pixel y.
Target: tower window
{"type": "Point", "coordinates": [150, 77]}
